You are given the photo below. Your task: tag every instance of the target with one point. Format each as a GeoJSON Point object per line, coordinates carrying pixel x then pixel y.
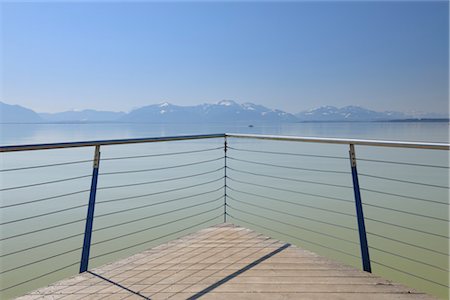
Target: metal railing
{"type": "Point", "coordinates": [247, 194]}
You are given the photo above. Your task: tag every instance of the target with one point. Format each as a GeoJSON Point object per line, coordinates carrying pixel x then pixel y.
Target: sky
{"type": "Point", "coordinates": [293, 56]}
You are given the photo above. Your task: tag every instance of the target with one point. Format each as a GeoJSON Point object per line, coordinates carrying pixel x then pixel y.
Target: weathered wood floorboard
{"type": "Point", "coordinates": [225, 262]}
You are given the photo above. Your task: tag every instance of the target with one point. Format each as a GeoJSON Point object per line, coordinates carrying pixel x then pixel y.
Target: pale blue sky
{"type": "Point", "coordinates": [294, 56]}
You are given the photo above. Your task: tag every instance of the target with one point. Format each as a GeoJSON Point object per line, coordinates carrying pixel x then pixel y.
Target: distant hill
{"type": "Point", "coordinates": [87, 115]}
{"type": "Point", "coordinates": [17, 114]}
{"type": "Point", "coordinates": [348, 113]}
{"type": "Point", "coordinates": [223, 111]}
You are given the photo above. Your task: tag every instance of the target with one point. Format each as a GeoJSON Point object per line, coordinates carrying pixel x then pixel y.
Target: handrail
{"type": "Point", "coordinates": [14, 148]}
{"type": "Point", "coordinates": [377, 143]}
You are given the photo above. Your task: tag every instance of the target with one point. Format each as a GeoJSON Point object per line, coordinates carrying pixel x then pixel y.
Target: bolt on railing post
{"type": "Point", "coordinates": [90, 214]}
{"type": "Point", "coordinates": [359, 213]}
{"type": "Point", "coordinates": [225, 148]}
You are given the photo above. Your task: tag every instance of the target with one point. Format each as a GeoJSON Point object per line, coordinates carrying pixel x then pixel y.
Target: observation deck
{"type": "Point", "coordinates": [225, 262]}
{"type": "Point", "coordinates": [225, 216]}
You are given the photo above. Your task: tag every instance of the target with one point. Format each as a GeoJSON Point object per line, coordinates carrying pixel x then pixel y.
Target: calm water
{"type": "Point", "coordinates": [42, 133]}
{"type": "Point", "coordinates": [258, 196]}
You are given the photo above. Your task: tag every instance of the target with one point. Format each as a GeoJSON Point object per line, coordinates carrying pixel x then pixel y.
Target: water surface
{"type": "Point", "coordinates": [296, 202]}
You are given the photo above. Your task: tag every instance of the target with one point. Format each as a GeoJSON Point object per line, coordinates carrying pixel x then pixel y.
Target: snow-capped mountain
{"type": "Point", "coordinates": [348, 113]}
{"type": "Point", "coordinates": [223, 111]}
{"type": "Point", "coordinates": [163, 112]}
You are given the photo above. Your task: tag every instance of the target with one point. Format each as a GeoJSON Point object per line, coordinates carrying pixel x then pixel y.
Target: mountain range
{"type": "Point", "coordinates": [223, 111]}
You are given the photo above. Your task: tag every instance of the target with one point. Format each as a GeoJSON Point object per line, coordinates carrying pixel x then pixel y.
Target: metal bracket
{"type": "Point", "coordinates": [352, 155]}
{"type": "Point", "coordinates": [96, 157]}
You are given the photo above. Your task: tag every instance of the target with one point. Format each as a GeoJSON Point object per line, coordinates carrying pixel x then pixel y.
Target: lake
{"type": "Point", "coordinates": [304, 197]}
{"type": "Point", "coordinates": [43, 133]}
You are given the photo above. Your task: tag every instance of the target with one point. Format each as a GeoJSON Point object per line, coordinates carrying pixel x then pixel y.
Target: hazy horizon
{"type": "Point", "coordinates": [217, 102]}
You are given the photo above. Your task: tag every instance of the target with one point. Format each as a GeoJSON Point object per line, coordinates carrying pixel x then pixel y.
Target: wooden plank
{"type": "Point", "coordinates": [293, 296]}
{"type": "Point", "coordinates": [226, 262]}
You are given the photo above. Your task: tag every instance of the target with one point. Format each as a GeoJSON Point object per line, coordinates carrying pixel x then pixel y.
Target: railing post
{"type": "Point", "coordinates": [359, 213]}
{"type": "Point", "coordinates": [90, 214]}
{"type": "Point", "coordinates": [225, 148]}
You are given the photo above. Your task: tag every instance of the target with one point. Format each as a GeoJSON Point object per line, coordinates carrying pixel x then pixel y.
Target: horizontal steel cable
{"type": "Point", "coordinates": [310, 206]}
{"type": "Point", "coordinates": [403, 181]}
{"type": "Point", "coordinates": [406, 243]}
{"type": "Point", "coordinates": [160, 214]}
{"type": "Point", "coordinates": [44, 199]}
{"type": "Point", "coordinates": [288, 167]}
{"type": "Point", "coordinates": [288, 153]}
{"type": "Point", "coordinates": [159, 181]}
{"type": "Point", "coordinates": [48, 165]}
{"type": "Point", "coordinates": [44, 214]}
{"type": "Point", "coordinates": [160, 225]}
{"type": "Point", "coordinates": [44, 183]}
{"type": "Point", "coordinates": [406, 227]}
{"type": "Point", "coordinates": [41, 245]}
{"type": "Point", "coordinates": [162, 168]}
{"type": "Point", "coordinates": [289, 179]}
{"type": "Point", "coordinates": [288, 190]}
{"type": "Point", "coordinates": [401, 163]}
{"type": "Point", "coordinates": [289, 214]}
{"type": "Point", "coordinates": [158, 193]}
{"type": "Point", "coordinates": [43, 229]}
{"type": "Point", "coordinates": [403, 196]}
{"type": "Point", "coordinates": [407, 273]}
{"type": "Point", "coordinates": [406, 212]}
{"type": "Point", "coordinates": [299, 216]}
{"type": "Point", "coordinates": [155, 239]}
{"type": "Point", "coordinates": [40, 276]}
{"type": "Point", "coordinates": [161, 202]}
{"type": "Point", "coordinates": [294, 237]}
{"type": "Point", "coordinates": [303, 217]}
{"type": "Point", "coordinates": [40, 260]}
{"type": "Point", "coordinates": [409, 258]}
{"type": "Point", "coordinates": [162, 154]}
{"type": "Point", "coordinates": [127, 222]}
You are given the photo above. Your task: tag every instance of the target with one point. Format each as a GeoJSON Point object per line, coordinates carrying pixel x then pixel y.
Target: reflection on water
{"type": "Point", "coordinates": [315, 208]}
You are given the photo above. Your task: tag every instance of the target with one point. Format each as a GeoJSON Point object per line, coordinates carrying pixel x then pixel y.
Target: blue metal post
{"type": "Point", "coordinates": [90, 214]}
{"type": "Point", "coordinates": [225, 182]}
{"type": "Point", "coordinates": [359, 213]}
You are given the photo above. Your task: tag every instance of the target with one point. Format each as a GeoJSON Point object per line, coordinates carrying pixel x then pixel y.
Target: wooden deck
{"type": "Point", "coordinates": [225, 262]}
